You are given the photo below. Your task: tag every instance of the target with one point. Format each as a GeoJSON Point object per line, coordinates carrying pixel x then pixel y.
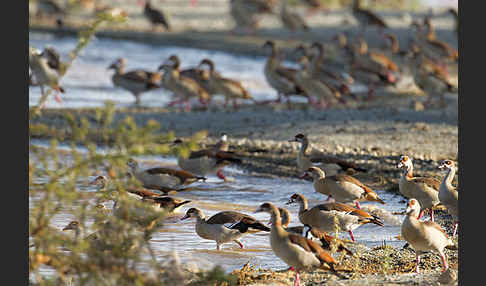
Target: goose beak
{"type": "Point", "coordinates": [304, 175]}
{"type": "Point", "coordinates": [400, 165]}
{"type": "Point", "coordinates": [185, 217]}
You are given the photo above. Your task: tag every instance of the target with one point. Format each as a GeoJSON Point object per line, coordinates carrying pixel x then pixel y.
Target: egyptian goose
{"type": "Point", "coordinates": [292, 20]}
{"type": "Point", "coordinates": [74, 225]}
{"type": "Point", "coordinates": [181, 86]}
{"type": "Point", "coordinates": [47, 69]}
{"type": "Point", "coordinates": [440, 48]}
{"type": "Point", "coordinates": [222, 144]}
{"type": "Point", "coordinates": [424, 236]}
{"type": "Point", "coordinates": [330, 71]}
{"type": "Point", "coordinates": [135, 81]}
{"type": "Point", "coordinates": [282, 79]}
{"type": "Point", "coordinates": [330, 216]}
{"type": "Point", "coordinates": [314, 88]}
{"type": "Point", "coordinates": [247, 13]}
{"type": "Point", "coordinates": [225, 226]}
{"type": "Point", "coordinates": [162, 179]}
{"type": "Point", "coordinates": [448, 194]}
{"type": "Point", "coordinates": [206, 161]}
{"type": "Point", "coordinates": [424, 189]}
{"type": "Point", "coordinates": [155, 16]}
{"type": "Point", "coordinates": [323, 237]}
{"type": "Point", "coordinates": [431, 78]}
{"type": "Point", "coordinates": [367, 18]}
{"type": "Point", "coordinates": [295, 250]}
{"type": "Point", "coordinates": [331, 165]}
{"type": "Point", "coordinates": [164, 202]}
{"type": "Point", "coordinates": [231, 89]}
{"type": "Point", "coordinates": [342, 188]}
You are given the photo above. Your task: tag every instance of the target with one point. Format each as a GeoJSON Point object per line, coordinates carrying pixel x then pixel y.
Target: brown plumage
{"type": "Point", "coordinates": [136, 81]}
{"type": "Point", "coordinates": [342, 188]}
{"type": "Point", "coordinates": [324, 238]}
{"type": "Point", "coordinates": [155, 16]}
{"type": "Point", "coordinates": [292, 20]}
{"type": "Point", "coordinates": [331, 216]}
{"type": "Point", "coordinates": [169, 203]}
{"type": "Point", "coordinates": [366, 17]}
{"type": "Point", "coordinates": [231, 89]}
{"type": "Point", "coordinates": [297, 251]}
{"type": "Point", "coordinates": [441, 48]}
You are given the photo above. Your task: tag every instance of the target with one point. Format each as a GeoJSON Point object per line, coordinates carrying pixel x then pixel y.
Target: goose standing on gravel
{"type": "Point", "coordinates": [183, 87]}
{"type": "Point", "coordinates": [162, 179]}
{"type": "Point", "coordinates": [47, 69]}
{"type": "Point", "coordinates": [325, 239]}
{"type": "Point", "coordinates": [424, 236]}
{"type": "Point", "coordinates": [155, 16]}
{"type": "Point", "coordinates": [135, 81]}
{"type": "Point", "coordinates": [448, 195]}
{"type": "Point", "coordinates": [282, 79]}
{"type": "Point", "coordinates": [329, 164]}
{"type": "Point", "coordinates": [423, 189]}
{"type": "Point", "coordinates": [342, 188]}
{"type": "Point", "coordinates": [367, 18]}
{"type": "Point", "coordinates": [328, 217]}
{"type": "Point", "coordinates": [231, 89]}
{"type": "Point", "coordinates": [297, 251]}
{"type": "Point", "coordinates": [206, 161]}
{"type": "Point", "coordinates": [225, 226]}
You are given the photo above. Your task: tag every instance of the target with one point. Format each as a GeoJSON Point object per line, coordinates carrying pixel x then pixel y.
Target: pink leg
{"type": "Point", "coordinates": [288, 103]}
{"type": "Point", "coordinates": [235, 105]}
{"type": "Point", "coordinates": [431, 214]}
{"type": "Point", "coordinates": [323, 104]}
{"type": "Point", "coordinates": [297, 279]}
{"type": "Point", "coordinates": [352, 236]}
{"type": "Point", "coordinates": [371, 92]}
{"type": "Point", "coordinates": [193, 3]}
{"type": "Point", "coordinates": [58, 99]}
{"type": "Point", "coordinates": [357, 205]}
{"type": "Point", "coordinates": [420, 214]}
{"type": "Point", "coordinates": [220, 175]}
{"type": "Point", "coordinates": [417, 261]}
{"type": "Point", "coordinates": [174, 102]}
{"type": "Point", "coordinates": [188, 106]}
{"type": "Point", "coordinates": [455, 229]}
{"type": "Point", "coordinates": [239, 243]}
{"type": "Point", "coordinates": [445, 266]}
{"type": "Point", "coordinates": [226, 99]}
{"type": "Point", "coordinates": [328, 198]}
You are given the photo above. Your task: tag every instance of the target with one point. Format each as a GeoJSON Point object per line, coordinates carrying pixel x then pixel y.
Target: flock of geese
{"type": "Point", "coordinates": [307, 246]}
{"type": "Point", "coordinates": [323, 79]}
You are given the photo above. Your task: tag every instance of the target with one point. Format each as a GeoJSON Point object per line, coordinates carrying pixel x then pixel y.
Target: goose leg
{"type": "Point", "coordinates": [58, 99]}
{"type": "Point", "coordinates": [417, 261]}
{"type": "Point", "coordinates": [297, 278]}
{"type": "Point", "coordinates": [239, 243]}
{"type": "Point", "coordinates": [357, 205]}
{"type": "Point", "coordinates": [351, 235]}
{"type": "Point", "coordinates": [420, 214]}
{"type": "Point", "coordinates": [137, 99]}
{"type": "Point", "coordinates": [235, 105]}
{"type": "Point", "coordinates": [323, 104]}
{"type": "Point", "coordinates": [226, 100]}
{"type": "Point", "coordinates": [188, 105]}
{"type": "Point", "coordinates": [218, 246]}
{"type": "Point", "coordinates": [455, 229]}
{"type": "Point", "coordinates": [431, 214]}
{"type": "Point", "coordinates": [445, 266]}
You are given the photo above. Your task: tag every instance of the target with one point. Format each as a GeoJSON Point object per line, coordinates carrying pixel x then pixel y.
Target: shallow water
{"type": "Point", "coordinates": [243, 194]}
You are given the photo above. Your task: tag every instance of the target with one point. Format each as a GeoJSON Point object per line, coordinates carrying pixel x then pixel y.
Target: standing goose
{"type": "Point", "coordinates": [231, 89]}
{"type": "Point", "coordinates": [329, 216]}
{"type": "Point", "coordinates": [282, 79]}
{"type": "Point", "coordinates": [342, 188]}
{"type": "Point", "coordinates": [206, 161]}
{"type": "Point", "coordinates": [367, 18]}
{"type": "Point", "coordinates": [430, 78]}
{"type": "Point", "coordinates": [331, 165]}
{"type": "Point", "coordinates": [448, 194]}
{"type": "Point", "coordinates": [314, 88]}
{"type": "Point", "coordinates": [92, 238]}
{"type": "Point", "coordinates": [323, 237]}
{"type": "Point", "coordinates": [164, 202]}
{"type": "Point", "coordinates": [155, 16]}
{"type": "Point", "coordinates": [423, 189]}
{"type": "Point", "coordinates": [440, 48]}
{"type": "Point", "coordinates": [224, 227]}
{"type": "Point", "coordinates": [297, 251]}
{"type": "Point", "coordinates": [424, 236]}
{"type": "Point", "coordinates": [135, 81]}
{"type": "Point", "coordinates": [330, 71]}
{"type": "Point", "coordinates": [162, 179]}
{"type": "Point", "coordinates": [181, 86]}
{"type": "Point", "coordinates": [47, 69]}
{"type": "Point", "coordinates": [292, 20]}
{"type": "Point", "coordinates": [247, 13]}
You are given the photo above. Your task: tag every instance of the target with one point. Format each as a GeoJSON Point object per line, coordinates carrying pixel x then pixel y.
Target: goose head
{"type": "Point", "coordinates": [405, 162]}
{"type": "Point", "coordinates": [193, 213]}
{"type": "Point", "coordinates": [413, 208]}
{"type": "Point", "coordinates": [447, 165]}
